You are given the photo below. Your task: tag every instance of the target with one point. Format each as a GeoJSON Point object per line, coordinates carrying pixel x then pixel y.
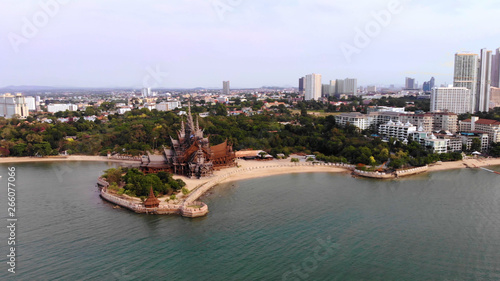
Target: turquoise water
{"type": "Point", "coordinates": [438, 226]}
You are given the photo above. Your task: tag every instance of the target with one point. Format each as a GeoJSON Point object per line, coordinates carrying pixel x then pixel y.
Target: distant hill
{"type": "Point", "coordinates": [27, 88]}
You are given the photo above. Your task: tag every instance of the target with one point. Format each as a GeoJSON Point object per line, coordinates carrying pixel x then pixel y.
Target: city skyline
{"type": "Point", "coordinates": [201, 43]}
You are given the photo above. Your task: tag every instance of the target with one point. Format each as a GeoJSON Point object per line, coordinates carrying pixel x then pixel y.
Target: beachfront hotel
{"type": "Point", "coordinates": [491, 127]}
{"type": "Point", "coordinates": [397, 130]}
{"type": "Point", "coordinates": [433, 121]}
{"type": "Point", "coordinates": [458, 100]}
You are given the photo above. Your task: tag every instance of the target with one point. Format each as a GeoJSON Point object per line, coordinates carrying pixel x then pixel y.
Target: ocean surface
{"type": "Point", "coordinates": [437, 226]}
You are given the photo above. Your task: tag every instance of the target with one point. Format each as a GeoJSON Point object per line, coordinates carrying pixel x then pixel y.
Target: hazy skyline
{"type": "Point", "coordinates": [200, 43]}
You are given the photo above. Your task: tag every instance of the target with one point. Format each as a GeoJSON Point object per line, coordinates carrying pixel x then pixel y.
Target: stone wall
{"type": "Point", "coordinates": [164, 209]}
{"type": "Point", "coordinates": [399, 173]}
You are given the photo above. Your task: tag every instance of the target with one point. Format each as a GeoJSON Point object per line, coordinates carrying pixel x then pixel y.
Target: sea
{"type": "Point", "coordinates": [310, 226]}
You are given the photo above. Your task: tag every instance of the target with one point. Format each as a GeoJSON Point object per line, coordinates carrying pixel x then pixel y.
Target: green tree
{"type": "Point", "coordinates": [220, 109]}
{"type": "Point", "coordinates": [476, 144]}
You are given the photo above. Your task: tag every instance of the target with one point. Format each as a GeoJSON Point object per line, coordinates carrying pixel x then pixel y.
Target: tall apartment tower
{"type": "Point", "coordinates": [301, 85]}
{"type": "Point", "coordinates": [146, 92]}
{"type": "Point", "coordinates": [226, 90]}
{"type": "Point", "coordinates": [351, 86]}
{"type": "Point", "coordinates": [410, 83]}
{"type": "Point", "coordinates": [495, 69]}
{"type": "Point", "coordinates": [484, 82]}
{"type": "Point", "coordinates": [313, 87]}
{"type": "Point", "coordinates": [466, 74]}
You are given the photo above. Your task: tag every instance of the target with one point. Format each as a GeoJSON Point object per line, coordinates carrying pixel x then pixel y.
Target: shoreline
{"type": "Point", "coordinates": [252, 169]}
{"type": "Point", "coordinates": [256, 169]}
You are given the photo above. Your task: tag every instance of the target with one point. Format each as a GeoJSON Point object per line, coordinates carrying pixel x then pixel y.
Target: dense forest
{"type": "Point", "coordinates": [276, 132]}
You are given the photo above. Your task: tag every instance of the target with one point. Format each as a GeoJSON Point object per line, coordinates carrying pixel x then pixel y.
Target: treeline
{"type": "Point", "coordinates": [139, 131]}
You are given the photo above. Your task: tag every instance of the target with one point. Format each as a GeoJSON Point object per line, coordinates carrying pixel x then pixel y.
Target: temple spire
{"type": "Point", "coordinates": [190, 122]}
{"type": "Point", "coordinates": [151, 201]}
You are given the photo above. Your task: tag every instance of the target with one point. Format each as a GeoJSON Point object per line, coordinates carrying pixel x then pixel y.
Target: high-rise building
{"type": "Point", "coordinates": [333, 87]}
{"type": "Point", "coordinates": [495, 97]}
{"type": "Point", "coordinates": [495, 69]}
{"type": "Point", "coordinates": [30, 103]}
{"type": "Point", "coordinates": [409, 83]}
{"type": "Point", "coordinates": [452, 99]}
{"type": "Point", "coordinates": [11, 105]}
{"type": "Point", "coordinates": [339, 87]}
{"type": "Point", "coordinates": [313, 87]}
{"type": "Point", "coordinates": [466, 74]}
{"type": "Point", "coordinates": [226, 90]}
{"type": "Point", "coordinates": [427, 87]}
{"type": "Point", "coordinates": [301, 85]}
{"type": "Point", "coordinates": [146, 92]}
{"type": "Point", "coordinates": [350, 86]}
{"type": "Point", "coordinates": [484, 82]}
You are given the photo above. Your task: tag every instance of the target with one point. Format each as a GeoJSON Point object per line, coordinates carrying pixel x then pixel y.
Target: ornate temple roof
{"type": "Point", "coordinates": [151, 201]}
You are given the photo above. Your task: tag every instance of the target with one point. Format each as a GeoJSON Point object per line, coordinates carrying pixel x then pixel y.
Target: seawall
{"type": "Point", "coordinates": [399, 173]}
{"type": "Point", "coordinates": [192, 210]}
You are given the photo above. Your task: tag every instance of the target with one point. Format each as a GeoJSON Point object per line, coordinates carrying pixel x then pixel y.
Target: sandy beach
{"type": "Point", "coordinates": [472, 163]}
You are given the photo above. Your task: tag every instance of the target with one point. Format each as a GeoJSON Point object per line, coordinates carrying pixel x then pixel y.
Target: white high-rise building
{"type": "Point", "coordinates": [466, 74]}
{"type": "Point", "coordinates": [484, 82]}
{"type": "Point", "coordinates": [226, 90]}
{"type": "Point", "coordinates": [146, 92]}
{"type": "Point", "coordinates": [313, 87]}
{"type": "Point", "coordinates": [11, 105]}
{"type": "Point", "coordinates": [30, 103]}
{"type": "Point", "coordinates": [452, 99]}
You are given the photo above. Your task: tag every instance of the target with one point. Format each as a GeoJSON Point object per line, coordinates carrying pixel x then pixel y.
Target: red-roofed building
{"type": "Point", "coordinates": [491, 127]}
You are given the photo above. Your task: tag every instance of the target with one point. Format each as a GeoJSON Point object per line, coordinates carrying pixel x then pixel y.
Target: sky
{"type": "Point", "coordinates": [252, 43]}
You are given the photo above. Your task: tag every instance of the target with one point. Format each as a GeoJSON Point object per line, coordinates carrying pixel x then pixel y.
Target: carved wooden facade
{"type": "Point", "coordinates": [191, 154]}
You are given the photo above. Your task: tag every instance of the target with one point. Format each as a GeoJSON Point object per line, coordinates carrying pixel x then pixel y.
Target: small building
{"type": "Point", "coordinates": [151, 201]}
{"type": "Point", "coordinates": [249, 154]}
{"type": "Point", "coordinates": [437, 145]}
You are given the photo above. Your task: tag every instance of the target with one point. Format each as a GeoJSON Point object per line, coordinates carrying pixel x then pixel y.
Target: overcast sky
{"type": "Point", "coordinates": [200, 43]}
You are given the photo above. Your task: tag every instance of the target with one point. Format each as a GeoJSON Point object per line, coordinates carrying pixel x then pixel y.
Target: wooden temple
{"type": "Point", "coordinates": [151, 201]}
{"type": "Point", "coordinates": [191, 154]}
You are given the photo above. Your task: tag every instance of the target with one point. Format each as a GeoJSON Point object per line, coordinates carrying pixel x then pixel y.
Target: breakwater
{"type": "Point", "coordinates": [191, 210]}
{"type": "Point", "coordinates": [396, 174]}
